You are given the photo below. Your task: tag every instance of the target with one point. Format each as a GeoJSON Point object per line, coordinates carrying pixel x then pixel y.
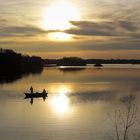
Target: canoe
{"type": "Point", "coordinates": [35, 95]}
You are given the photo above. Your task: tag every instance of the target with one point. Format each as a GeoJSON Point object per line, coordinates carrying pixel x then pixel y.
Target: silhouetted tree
{"type": "Point", "coordinates": [13, 65]}
{"type": "Point", "coordinates": [123, 122]}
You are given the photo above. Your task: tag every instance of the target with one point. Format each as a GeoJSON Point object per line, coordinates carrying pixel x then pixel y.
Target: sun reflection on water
{"type": "Point", "coordinates": [61, 103]}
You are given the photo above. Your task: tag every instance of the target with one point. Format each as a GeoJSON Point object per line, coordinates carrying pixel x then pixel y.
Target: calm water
{"type": "Point", "coordinates": [77, 106]}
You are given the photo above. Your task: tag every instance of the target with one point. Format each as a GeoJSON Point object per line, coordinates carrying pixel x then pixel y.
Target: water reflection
{"type": "Point", "coordinates": [71, 69]}
{"type": "Point", "coordinates": [63, 89]}
{"type": "Point", "coordinates": [60, 103]}
{"type": "Point", "coordinates": [12, 76]}
{"type": "Point", "coordinates": [77, 106]}
{"type": "Point", "coordinates": [32, 99]}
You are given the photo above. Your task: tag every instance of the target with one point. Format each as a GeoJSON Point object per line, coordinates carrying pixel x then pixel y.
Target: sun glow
{"type": "Point", "coordinates": [59, 36]}
{"type": "Point", "coordinates": [58, 16]}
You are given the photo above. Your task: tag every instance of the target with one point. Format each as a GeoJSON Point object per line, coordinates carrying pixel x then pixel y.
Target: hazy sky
{"type": "Point", "coordinates": [57, 28]}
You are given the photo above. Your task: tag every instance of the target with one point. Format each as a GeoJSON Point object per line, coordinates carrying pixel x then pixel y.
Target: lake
{"type": "Point", "coordinates": [81, 103]}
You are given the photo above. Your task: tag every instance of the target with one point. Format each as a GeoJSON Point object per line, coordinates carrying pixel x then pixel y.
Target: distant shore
{"type": "Point", "coordinates": [11, 58]}
{"type": "Point", "coordinates": [76, 61]}
{"type": "Point", "coordinates": [15, 65]}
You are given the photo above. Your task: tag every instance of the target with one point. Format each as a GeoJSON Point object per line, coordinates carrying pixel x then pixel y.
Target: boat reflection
{"type": "Point", "coordinates": [32, 99]}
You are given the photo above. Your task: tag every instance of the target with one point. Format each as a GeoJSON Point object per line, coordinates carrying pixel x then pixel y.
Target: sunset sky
{"type": "Point", "coordinates": [58, 28]}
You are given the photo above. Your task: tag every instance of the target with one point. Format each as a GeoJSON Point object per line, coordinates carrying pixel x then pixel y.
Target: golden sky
{"type": "Point", "coordinates": [57, 28]}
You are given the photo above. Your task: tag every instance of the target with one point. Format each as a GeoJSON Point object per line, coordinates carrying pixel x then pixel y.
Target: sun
{"type": "Point", "coordinates": [59, 36]}
{"type": "Point", "coordinates": [56, 19]}
{"type": "Point", "coordinates": [58, 16]}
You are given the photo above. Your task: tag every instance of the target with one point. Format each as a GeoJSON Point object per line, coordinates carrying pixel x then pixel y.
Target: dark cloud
{"type": "Point", "coordinates": [114, 28]}
{"type": "Point", "coordinates": [20, 31]}
{"type": "Point", "coordinates": [127, 25]}
{"type": "Point", "coordinates": [111, 45]}
{"type": "Point", "coordinates": [136, 35]}
{"type": "Point", "coordinates": [92, 28]}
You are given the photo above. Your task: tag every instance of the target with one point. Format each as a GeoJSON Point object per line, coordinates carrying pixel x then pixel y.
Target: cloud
{"type": "Point", "coordinates": [136, 35]}
{"type": "Point", "coordinates": [6, 42]}
{"type": "Point", "coordinates": [92, 28]}
{"type": "Point", "coordinates": [9, 31]}
{"type": "Point", "coordinates": [127, 25]}
{"type": "Point", "coordinates": [120, 28]}
{"type": "Point", "coordinates": [2, 20]}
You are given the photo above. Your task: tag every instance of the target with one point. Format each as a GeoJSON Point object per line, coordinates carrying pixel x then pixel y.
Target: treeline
{"type": "Point", "coordinates": [76, 61]}
{"type": "Point", "coordinates": [112, 61]}
{"type": "Point", "coordinates": [12, 60]}
{"type": "Point", "coordinates": [14, 65]}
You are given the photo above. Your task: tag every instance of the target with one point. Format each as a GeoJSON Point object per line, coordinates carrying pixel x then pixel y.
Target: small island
{"type": "Point", "coordinates": [98, 65]}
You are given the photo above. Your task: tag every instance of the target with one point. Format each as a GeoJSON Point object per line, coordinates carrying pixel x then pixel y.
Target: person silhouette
{"type": "Point", "coordinates": [31, 89]}
{"type": "Point", "coordinates": [44, 91]}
